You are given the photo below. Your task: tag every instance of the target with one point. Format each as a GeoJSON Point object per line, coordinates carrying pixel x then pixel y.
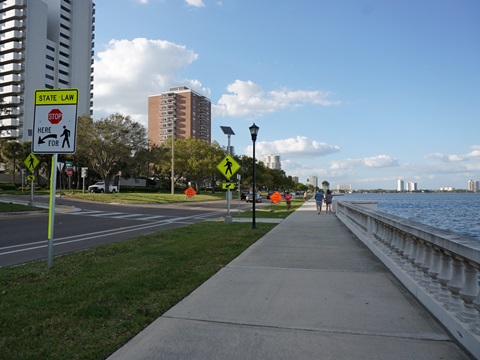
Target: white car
{"type": "Point", "coordinates": [99, 187]}
{"type": "Point", "coordinates": [249, 198]}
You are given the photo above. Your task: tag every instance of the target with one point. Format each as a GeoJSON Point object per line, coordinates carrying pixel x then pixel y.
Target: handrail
{"type": "Point", "coordinates": [439, 267]}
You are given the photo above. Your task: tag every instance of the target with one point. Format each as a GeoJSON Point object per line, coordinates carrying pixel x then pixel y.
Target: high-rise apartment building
{"type": "Point", "coordinates": [44, 44]}
{"type": "Point", "coordinates": [400, 185]}
{"type": "Point", "coordinates": [181, 113]}
{"type": "Point", "coordinates": [272, 162]}
{"type": "Point", "coordinates": [473, 185]}
{"type": "Point", "coordinates": [344, 187]}
{"type": "Point", "coordinates": [412, 186]}
{"type": "Point", "coordinates": [313, 180]}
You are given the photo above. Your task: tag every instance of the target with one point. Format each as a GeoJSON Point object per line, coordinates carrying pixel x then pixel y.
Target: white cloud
{"type": "Point", "coordinates": [128, 71]}
{"type": "Point", "coordinates": [475, 153]}
{"type": "Point", "coordinates": [195, 3]}
{"type": "Point", "coordinates": [380, 161]}
{"type": "Point", "coordinates": [300, 146]}
{"type": "Point", "coordinates": [249, 99]}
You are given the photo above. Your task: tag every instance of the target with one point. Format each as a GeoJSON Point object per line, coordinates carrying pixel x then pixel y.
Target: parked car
{"type": "Point", "coordinates": [99, 187]}
{"type": "Point", "coordinates": [249, 198]}
{"type": "Point", "coordinates": [243, 195]}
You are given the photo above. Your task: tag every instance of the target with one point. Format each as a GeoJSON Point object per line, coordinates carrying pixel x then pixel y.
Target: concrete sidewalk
{"type": "Point", "coordinates": [307, 290]}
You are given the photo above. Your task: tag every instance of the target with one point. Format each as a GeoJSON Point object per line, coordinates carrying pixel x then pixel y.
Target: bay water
{"type": "Point", "coordinates": [457, 212]}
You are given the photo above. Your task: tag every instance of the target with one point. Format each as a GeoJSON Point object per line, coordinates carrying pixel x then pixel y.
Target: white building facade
{"type": "Point", "coordinates": [400, 185]}
{"type": "Point", "coordinates": [473, 185]}
{"type": "Point", "coordinates": [44, 44]}
{"type": "Point", "coordinates": [272, 162]}
{"type": "Point", "coordinates": [412, 186]}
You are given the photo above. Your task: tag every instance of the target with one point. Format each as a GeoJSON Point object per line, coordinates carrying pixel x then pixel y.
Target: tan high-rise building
{"type": "Point", "coordinates": [180, 112]}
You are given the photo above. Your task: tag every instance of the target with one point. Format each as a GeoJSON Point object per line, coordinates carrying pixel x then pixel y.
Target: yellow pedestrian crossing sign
{"type": "Point", "coordinates": [228, 166]}
{"type": "Point", "coordinates": [31, 161]}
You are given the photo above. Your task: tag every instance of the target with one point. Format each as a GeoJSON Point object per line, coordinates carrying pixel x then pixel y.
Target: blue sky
{"type": "Point", "coordinates": [359, 92]}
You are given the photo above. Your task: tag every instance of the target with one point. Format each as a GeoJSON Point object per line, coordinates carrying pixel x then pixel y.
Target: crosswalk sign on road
{"type": "Point", "coordinates": [228, 167]}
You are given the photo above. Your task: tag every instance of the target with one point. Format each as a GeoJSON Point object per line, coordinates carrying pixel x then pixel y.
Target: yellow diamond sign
{"type": "Point", "coordinates": [228, 166]}
{"type": "Point", "coordinates": [31, 162]}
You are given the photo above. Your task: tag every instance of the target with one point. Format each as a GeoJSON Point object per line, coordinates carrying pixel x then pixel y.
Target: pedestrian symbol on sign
{"type": "Point", "coordinates": [66, 135]}
{"type": "Point", "coordinates": [228, 166]}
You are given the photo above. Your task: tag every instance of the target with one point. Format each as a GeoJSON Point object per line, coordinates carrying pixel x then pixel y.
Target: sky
{"type": "Point", "coordinates": [357, 92]}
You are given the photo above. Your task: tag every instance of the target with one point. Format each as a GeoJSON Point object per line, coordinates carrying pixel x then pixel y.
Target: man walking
{"type": "Point", "coordinates": [319, 200]}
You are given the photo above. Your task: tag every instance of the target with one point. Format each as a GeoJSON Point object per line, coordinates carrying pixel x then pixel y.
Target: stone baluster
{"type": "Point", "coordinates": [407, 254]}
{"type": "Point", "coordinates": [377, 232]}
{"type": "Point", "coordinates": [434, 271]}
{"type": "Point", "coordinates": [412, 257]}
{"type": "Point", "coordinates": [388, 240]}
{"type": "Point", "coordinates": [419, 260]}
{"type": "Point", "coordinates": [455, 284]}
{"type": "Point", "coordinates": [444, 277]}
{"type": "Point", "coordinates": [476, 324]}
{"type": "Point", "coordinates": [469, 293]}
{"type": "Point", "coordinates": [402, 247]}
{"type": "Point", "coordinates": [426, 280]}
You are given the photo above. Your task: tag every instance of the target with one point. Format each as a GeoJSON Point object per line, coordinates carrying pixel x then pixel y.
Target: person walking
{"type": "Point", "coordinates": [288, 200]}
{"type": "Point", "coordinates": [319, 200]}
{"type": "Point", "coordinates": [305, 196]}
{"type": "Point", "coordinates": [328, 202]}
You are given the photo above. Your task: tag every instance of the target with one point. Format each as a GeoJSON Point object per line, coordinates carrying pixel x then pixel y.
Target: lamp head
{"type": "Point", "coordinates": [254, 131]}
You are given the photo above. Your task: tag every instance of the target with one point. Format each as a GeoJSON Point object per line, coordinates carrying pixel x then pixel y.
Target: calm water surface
{"type": "Point", "coordinates": [455, 212]}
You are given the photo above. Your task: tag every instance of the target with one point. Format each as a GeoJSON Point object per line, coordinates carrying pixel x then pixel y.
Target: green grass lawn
{"type": "Point", "coordinates": [278, 210]}
{"type": "Point", "coordinates": [144, 198]}
{"type": "Point", "coordinates": [7, 207]}
{"type": "Point", "coordinates": [91, 302]}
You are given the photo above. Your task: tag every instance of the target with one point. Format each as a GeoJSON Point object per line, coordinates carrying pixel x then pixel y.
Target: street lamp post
{"type": "Point", "coordinates": [253, 132]}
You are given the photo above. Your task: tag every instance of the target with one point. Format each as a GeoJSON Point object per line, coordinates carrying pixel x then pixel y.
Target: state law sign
{"type": "Point", "coordinates": [55, 121]}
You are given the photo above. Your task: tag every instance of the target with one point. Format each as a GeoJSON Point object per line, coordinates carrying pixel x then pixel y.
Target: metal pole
{"type": "Point", "coordinates": [254, 225]}
{"type": "Point", "coordinates": [173, 170]}
{"type": "Point", "coordinates": [228, 190]}
{"type": "Point", "coordinates": [51, 213]}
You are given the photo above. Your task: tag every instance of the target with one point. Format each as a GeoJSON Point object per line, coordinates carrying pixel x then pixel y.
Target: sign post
{"type": "Point", "coordinates": [31, 162]}
{"type": "Point", "coordinates": [54, 132]}
{"type": "Point", "coordinates": [228, 167]}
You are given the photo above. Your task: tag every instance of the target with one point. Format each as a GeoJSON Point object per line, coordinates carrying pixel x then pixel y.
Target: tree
{"type": "Point", "coordinates": [12, 153]}
{"type": "Point", "coordinates": [196, 160]}
{"type": "Point", "coordinates": [109, 143]}
{"type": "Point", "coordinates": [325, 185]}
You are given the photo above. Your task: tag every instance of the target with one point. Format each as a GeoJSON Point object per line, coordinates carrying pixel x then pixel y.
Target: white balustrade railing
{"type": "Point", "coordinates": [439, 267]}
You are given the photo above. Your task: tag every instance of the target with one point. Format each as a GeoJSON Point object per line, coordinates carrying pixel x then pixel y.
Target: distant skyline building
{"type": "Point", "coordinates": [272, 162]}
{"type": "Point", "coordinates": [400, 185]}
{"type": "Point", "coordinates": [295, 178]}
{"type": "Point", "coordinates": [313, 181]}
{"type": "Point", "coordinates": [181, 113]}
{"type": "Point", "coordinates": [412, 186]}
{"type": "Point", "coordinates": [473, 185]}
{"type": "Point", "coordinates": [344, 187]}
{"type": "Point", "coordinates": [44, 44]}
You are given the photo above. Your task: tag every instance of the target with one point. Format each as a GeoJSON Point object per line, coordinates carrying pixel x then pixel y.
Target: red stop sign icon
{"type": "Point", "coordinates": [55, 116]}
{"type": "Point", "coordinates": [69, 172]}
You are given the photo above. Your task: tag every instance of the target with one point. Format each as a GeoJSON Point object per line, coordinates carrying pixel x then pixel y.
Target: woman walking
{"type": "Point", "coordinates": [328, 201]}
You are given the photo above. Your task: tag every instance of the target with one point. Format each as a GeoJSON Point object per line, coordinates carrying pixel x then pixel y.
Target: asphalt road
{"type": "Point", "coordinates": [81, 225]}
